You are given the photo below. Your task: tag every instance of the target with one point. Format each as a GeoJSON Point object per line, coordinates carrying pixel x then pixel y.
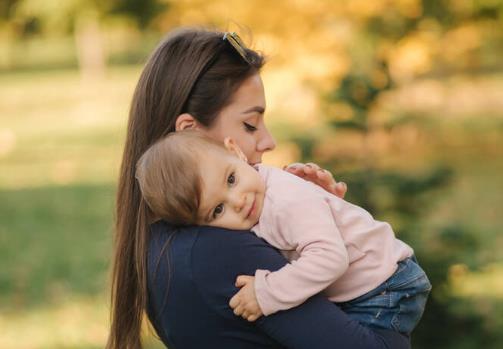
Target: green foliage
{"type": "Point", "coordinates": [74, 222]}
{"type": "Point", "coordinates": [141, 11]}
{"type": "Point", "coordinates": [6, 8]}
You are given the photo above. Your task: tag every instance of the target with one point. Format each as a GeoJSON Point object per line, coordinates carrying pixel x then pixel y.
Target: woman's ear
{"type": "Point", "coordinates": [185, 121]}
{"type": "Point", "coordinates": [231, 146]}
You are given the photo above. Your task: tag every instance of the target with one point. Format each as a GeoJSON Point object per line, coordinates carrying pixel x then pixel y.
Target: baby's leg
{"type": "Point", "coordinates": [396, 304]}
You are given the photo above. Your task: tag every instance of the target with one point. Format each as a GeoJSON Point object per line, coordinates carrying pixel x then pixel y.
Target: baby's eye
{"type": "Point", "coordinates": [218, 210]}
{"type": "Point", "coordinates": [231, 179]}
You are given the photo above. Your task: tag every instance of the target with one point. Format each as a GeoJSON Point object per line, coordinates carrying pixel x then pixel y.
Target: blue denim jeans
{"type": "Point", "coordinates": [397, 304]}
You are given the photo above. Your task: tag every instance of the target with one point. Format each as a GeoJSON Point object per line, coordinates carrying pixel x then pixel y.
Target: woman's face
{"type": "Point", "coordinates": [243, 121]}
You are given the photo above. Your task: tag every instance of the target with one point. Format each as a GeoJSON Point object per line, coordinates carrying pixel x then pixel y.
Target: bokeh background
{"type": "Point", "coordinates": [402, 99]}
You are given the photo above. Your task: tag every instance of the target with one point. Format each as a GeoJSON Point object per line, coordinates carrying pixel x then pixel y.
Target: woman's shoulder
{"type": "Point", "coordinates": [211, 251]}
{"type": "Point", "coordinates": [201, 241]}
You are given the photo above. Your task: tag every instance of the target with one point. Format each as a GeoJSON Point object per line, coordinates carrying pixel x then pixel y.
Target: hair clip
{"type": "Point", "coordinates": [236, 42]}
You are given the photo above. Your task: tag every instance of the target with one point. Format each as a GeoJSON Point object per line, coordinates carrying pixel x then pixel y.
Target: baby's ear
{"type": "Point", "coordinates": [231, 146]}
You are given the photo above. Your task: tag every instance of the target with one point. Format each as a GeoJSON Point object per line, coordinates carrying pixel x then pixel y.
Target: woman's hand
{"type": "Point", "coordinates": [321, 177]}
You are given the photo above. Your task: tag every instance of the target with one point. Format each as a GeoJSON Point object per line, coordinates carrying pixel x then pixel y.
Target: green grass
{"type": "Point", "coordinates": [60, 149]}
{"type": "Point", "coordinates": [55, 241]}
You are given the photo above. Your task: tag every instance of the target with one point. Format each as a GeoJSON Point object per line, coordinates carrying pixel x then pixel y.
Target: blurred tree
{"type": "Point", "coordinates": [82, 18]}
{"type": "Point", "coordinates": [376, 67]}
{"type": "Point", "coordinates": [143, 12]}
{"type": "Point", "coordinates": [6, 7]}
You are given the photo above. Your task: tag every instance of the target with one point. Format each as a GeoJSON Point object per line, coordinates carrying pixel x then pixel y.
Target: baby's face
{"type": "Point", "coordinates": [232, 192]}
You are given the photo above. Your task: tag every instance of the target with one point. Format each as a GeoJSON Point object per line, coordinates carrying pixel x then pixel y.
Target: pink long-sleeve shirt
{"type": "Point", "coordinates": [332, 245]}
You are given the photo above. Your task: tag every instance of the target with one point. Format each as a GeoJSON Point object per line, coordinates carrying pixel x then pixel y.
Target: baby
{"type": "Point", "coordinates": [333, 246]}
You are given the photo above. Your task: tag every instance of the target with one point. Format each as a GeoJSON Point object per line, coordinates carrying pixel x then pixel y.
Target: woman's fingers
{"type": "Point", "coordinates": [327, 181]}
{"type": "Point", "coordinates": [311, 168]}
{"type": "Point", "coordinates": [340, 189]}
{"type": "Point", "coordinates": [321, 177]}
{"type": "Point", "coordinates": [302, 170]}
{"type": "Point", "coordinates": [296, 169]}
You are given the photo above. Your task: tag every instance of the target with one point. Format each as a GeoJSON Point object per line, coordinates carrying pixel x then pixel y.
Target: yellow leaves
{"type": "Point", "coordinates": [487, 283]}
{"type": "Point", "coordinates": [409, 8]}
{"type": "Point", "coordinates": [289, 98]}
{"type": "Point", "coordinates": [411, 56]}
{"type": "Point", "coordinates": [462, 7]}
{"type": "Point", "coordinates": [363, 9]}
{"type": "Point", "coordinates": [460, 40]}
{"type": "Point", "coordinates": [339, 111]}
{"type": "Point", "coordinates": [379, 79]}
{"type": "Point", "coordinates": [341, 145]}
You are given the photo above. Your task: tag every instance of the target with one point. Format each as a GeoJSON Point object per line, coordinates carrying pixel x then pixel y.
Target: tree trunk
{"type": "Point", "coordinates": [89, 42]}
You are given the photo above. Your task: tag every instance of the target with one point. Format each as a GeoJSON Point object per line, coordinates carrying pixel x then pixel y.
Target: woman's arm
{"type": "Point", "coordinates": [220, 255]}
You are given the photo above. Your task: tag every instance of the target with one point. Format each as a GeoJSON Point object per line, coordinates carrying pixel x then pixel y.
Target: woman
{"type": "Point", "coordinates": [183, 278]}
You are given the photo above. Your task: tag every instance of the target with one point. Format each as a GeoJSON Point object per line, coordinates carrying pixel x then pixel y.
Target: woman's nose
{"type": "Point", "coordinates": [266, 142]}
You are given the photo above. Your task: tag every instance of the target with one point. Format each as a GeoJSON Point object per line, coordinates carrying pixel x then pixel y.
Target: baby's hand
{"type": "Point", "coordinates": [244, 302]}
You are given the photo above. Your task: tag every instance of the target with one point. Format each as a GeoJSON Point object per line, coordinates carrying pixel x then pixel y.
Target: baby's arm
{"type": "Point", "coordinates": [306, 225]}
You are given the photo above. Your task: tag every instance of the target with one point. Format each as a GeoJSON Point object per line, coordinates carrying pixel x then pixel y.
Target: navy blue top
{"type": "Point", "coordinates": [191, 281]}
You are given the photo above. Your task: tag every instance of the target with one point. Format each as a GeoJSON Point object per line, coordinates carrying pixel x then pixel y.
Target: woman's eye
{"type": "Point", "coordinates": [249, 128]}
{"type": "Point", "coordinates": [218, 210]}
{"type": "Point", "coordinates": [231, 179]}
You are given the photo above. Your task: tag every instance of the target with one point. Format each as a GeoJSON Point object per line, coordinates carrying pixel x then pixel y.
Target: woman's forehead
{"type": "Point", "coordinates": [249, 95]}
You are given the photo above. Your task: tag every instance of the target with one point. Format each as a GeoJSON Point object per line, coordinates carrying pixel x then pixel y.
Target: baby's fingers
{"type": "Point", "coordinates": [252, 318]}
{"type": "Point", "coordinates": [235, 301]}
{"type": "Point", "coordinates": [239, 310]}
{"type": "Point", "coordinates": [242, 280]}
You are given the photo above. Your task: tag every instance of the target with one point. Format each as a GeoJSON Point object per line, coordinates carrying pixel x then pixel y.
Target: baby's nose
{"type": "Point", "coordinates": [238, 202]}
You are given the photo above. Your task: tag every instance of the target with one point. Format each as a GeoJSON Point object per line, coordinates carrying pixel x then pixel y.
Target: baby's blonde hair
{"type": "Point", "coordinates": [169, 176]}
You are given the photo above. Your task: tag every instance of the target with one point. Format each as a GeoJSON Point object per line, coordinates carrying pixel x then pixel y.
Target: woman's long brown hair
{"type": "Point", "coordinates": [191, 71]}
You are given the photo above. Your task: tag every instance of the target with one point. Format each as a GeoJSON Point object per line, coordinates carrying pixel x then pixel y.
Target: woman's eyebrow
{"type": "Point", "coordinates": [255, 109]}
